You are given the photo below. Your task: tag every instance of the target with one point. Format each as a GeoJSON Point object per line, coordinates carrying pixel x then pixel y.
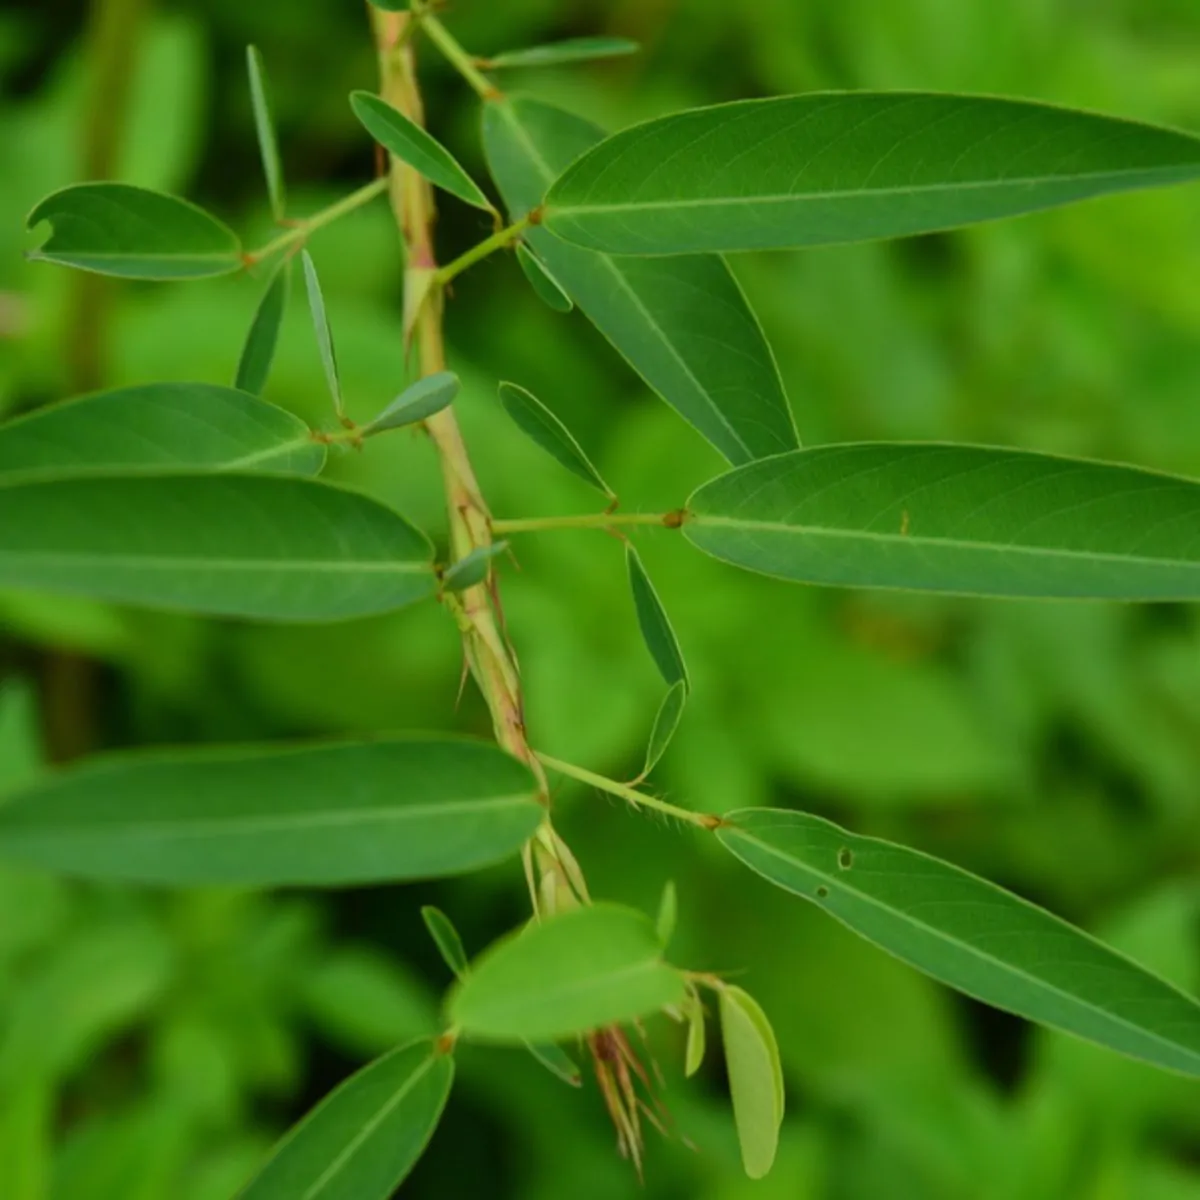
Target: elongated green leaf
{"type": "Point", "coordinates": [417, 402]}
{"type": "Point", "coordinates": [234, 545]}
{"type": "Point", "coordinates": [668, 913]}
{"type": "Point", "coordinates": [320, 318]}
{"type": "Point", "coordinates": [654, 623]}
{"type": "Point", "coordinates": [581, 49]}
{"type": "Point", "coordinates": [264, 129]}
{"type": "Point", "coordinates": [972, 935]}
{"type": "Point", "coordinates": [557, 1061]}
{"type": "Point", "coordinates": [116, 229]}
{"type": "Point", "coordinates": [356, 812]}
{"type": "Point", "coordinates": [566, 975]}
{"type": "Point", "coordinates": [363, 1139]}
{"type": "Point", "coordinates": [666, 723]}
{"type": "Point", "coordinates": [535, 420]}
{"type": "Point", "coordinates": [157, 427]}
{"type": "Point", "coordinates": [848, 166]}
{"type": "Point", "coordinates": [258, 353]}
{"type": "Point", "coordinates": [414, 146]}
{"type": "Point", "coordinates": [963, 519]}
{"type": "Point", "coordinates": [548, 289]}
{"type": "Point", "coordinates": [755, 1078]}
{"type": "Point", "coordinates": [446, 938]}
{"type": "Point", "coordinates": [682, 323]}
{"type": "Point", "coordinates": [694, 1052]}
{"type": "Point", "coordinates": [472, 570]}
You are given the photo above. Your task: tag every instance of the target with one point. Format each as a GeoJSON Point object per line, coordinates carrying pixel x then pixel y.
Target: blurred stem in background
{"type": "Point", "coordinates": [114, 28]}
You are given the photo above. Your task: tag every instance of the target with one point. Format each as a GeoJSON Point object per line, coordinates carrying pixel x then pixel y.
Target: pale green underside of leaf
{"type": "Point", "coordinates": [321, 327]}
{"type": "Point", "coordinates": [966, 519]}
{"type": "Point", "coordinates": [683, 324]}
{"type": "Point", "coordinates": [417, 402]}
{"type": "Point", "coordinates": [666, 723]}
{"type": "Point", "coordinates": [545, 286]}
{"type": "Point", "coordinates": [696, 1038]}
{"type": "Point", "coordinates": [474, 568]}
{"type": "Point", "coordinates": [581, 49]}
{"type": "Point", "coordinates": [258, 352]}
{"type": "Point", "coordinates": [262, 816]}
{"type": "Point", "coordinates": [262, 546]}
{"type": "Point", "coordinates": [972, 935]}
{"type": "Point", "coordinates": [654, 623]}
{"type": "Point", "coordinates": [848, 166]}
{"type": "Point", "coordinates": [755, 1079]}
{"type": "Point", "coordinates": [542, 426]}
{"type": "Point", "coordinates": [117, 229]}
{"type": "Point", "coordinates": [157, 427]}
{"type": "Point", "coordinates": [566, 975]}
{"type": "Point", "coordinates": [557, 1061]}
{"type": "Point", "coordinates": [412, 145]}
{"type": "Point", "coordinates": [264, 129]}
{"type": "Point", "coordinates": [363, 1139]}
{"type": "Point", "coordinates": [446, 938]}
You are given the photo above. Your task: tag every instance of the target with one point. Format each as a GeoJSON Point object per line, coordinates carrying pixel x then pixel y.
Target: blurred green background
{"type": "Point", "coordinates": [153, 1045]}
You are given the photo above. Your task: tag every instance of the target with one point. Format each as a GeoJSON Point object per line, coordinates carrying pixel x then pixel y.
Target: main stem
{"type": "Point", "coordinates": [486, 645]}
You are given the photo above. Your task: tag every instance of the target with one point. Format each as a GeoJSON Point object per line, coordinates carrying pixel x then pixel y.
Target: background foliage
{"type": "Point", "coordinates": [152, 1045]}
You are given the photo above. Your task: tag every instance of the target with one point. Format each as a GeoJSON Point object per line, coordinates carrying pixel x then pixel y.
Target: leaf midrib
{"type": "Point", "coordinates": [837, 882]}
{"type": "Point", "coordinates": [167, 563]}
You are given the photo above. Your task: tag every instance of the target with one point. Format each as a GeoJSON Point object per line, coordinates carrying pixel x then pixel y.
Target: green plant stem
{"type": "Point", "coordinates": [309, 225]}
{"type": "Point", "coordinates": [498, 240]}
{"type": "Point", "coordinates": [630, 795]}
{"type": "Point", "coordinates": [586, 521]}
{"type": "Point", "coordinates": [458, 58]}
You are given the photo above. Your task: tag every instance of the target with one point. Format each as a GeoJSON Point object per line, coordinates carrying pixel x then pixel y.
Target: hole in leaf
{"type": "Point", "coordinates": [845, 858]}
{"type": "Point", "coordinates": [822, 892]}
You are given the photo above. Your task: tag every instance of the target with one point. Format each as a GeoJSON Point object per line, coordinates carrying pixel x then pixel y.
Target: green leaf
{"type": "Point", "coordinates": [972, 935]}
{"type": "Point", "coordinates": [264, 129]}
{"type": "Point", "coordinates": [668, 913]}
{"type": "Point", "coordinates": [258, 353]}
{"type": "Point", "coordinates": [446, 938]}
{"type": "Point", "coordinates": [566, 975]}
{"type": "Point", "coordinates": [548, 289]}
{"type": "Point", "coordinates": [365, 1136]}
{"type": "Point", "coordinates": [755, 1078]}
{"type": "Point", "coordinates": [682, 323]}
{"type": "Point", "coordinates": [320, 318]}
{"type": "Point", "coordinates": [357, 812]}
{"type": "Point", "coordinates": [654, 623]}
{"type": "Point", "coordinates": [694, 1052]}
{"type": "Point", "coordinates": [581, 49]}
{"type": "Point", "coordinates": [666, 723]}
{"type": "Point", "coordinates": [557, 1061]}
{"type": "Point", "coordinates": [258, 546]}
{"type": "Point", "coordinates": [420, 400]}
{"type": "Point", "coordinates": [156, 427]}
{"type": "Point", "coordinates": [472, 570]}
{"type": "Point", "coordinates": [412, 145]}
{"type": "Point", "coordinates": [963, 519]}
{"type": "Point", "coordinates": [116, 229]}
{"type": "Point", "coordinates": [846, 167]}
{"type": "Point", "coordinates": [535, 420]}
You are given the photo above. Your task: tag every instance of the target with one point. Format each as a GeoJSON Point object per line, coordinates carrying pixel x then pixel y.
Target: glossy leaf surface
{"type": "Point", "coordinates": [755, 1078]}
{"type": "Point", "coordinates": [565, 975]}
{"type": "Point", "coordinates": [682, 324]}
{"type": "Point", "coordinates": [234, 545]}
{"type": "Point", "coordinates": [418, 401]}
{"type": "Point", "coordinates": [362, 1140]}
{"type": "Point", "coordinates": [264, 129]}
{"type": "Point", "coordinates": [654, 623]}
{"type": "Point", "coordinates": [355, 812]}
{"type": "Point", "coordinates": [846, 167]}
{"type": "Point", "coordinates": [117, 229]}
{"type": "Point", "coordinates": [157, 427]}
{"type": "Point", "coordinates": [258, 351]}
{"type": "Point", "coordinates": [972, 935]}
{"type": "Point", "coordinates": [581, 49]}
{"type": "Point", "coordinates": [414, 146]}
{"type": "Point", "coordinates": [964, 519]}
{"type": "Point", "coordinates": [535, 420]}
